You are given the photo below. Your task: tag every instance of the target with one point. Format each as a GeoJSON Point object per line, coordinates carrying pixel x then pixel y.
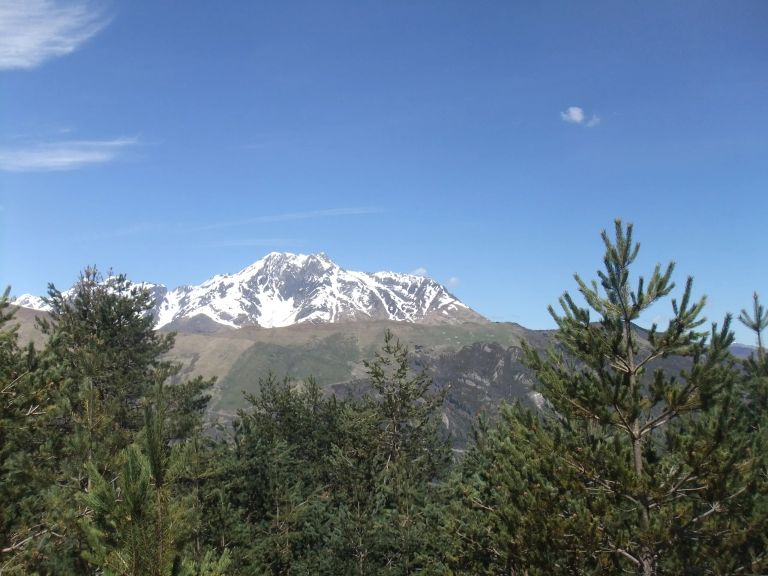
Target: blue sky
{"type": "Point", "coordinates": [487, 143]}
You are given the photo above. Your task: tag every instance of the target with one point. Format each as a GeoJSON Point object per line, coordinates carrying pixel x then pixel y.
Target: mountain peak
{"type": "Point", "coordinates": [30, 301]}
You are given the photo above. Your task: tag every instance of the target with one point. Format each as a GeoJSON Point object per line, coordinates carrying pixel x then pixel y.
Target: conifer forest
{"type": "Point", "coordinates": [111, 465]}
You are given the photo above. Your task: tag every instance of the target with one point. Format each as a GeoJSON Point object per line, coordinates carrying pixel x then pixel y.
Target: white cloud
{"type": "Point", "coordinates": [453, 281]}
{"type": "Point", "coordinates": [576, 115]}
{"type": "Point", "coordinates": [33, 31]}
{"type": "Point", "coordinates": [60, 156]}
{"type": "Point", "coordinates": [420, 271]}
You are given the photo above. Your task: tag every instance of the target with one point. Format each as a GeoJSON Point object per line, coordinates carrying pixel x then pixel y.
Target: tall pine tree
{"type": "Point", "coordinates": [387, 470]}
{"type": "Point", "coordinates": [25, 407]}
{"type": "Point", "coordinates": [654, 451]}
{"type": "Point", "coordinates": [100, 366]}
{"type": "Point", "coordinates": [634, 466]}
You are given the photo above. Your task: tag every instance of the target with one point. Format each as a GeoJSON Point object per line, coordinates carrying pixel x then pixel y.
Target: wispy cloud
{"type": "Point", "coordinates": [245, 242]}
{"type": "Point", "coordinates": [420, 271]}
{"type": "Point", "coordinates": [453, 281]}
{"type": "Point", "coordinates": [285, 217]}
{"type": "Point", "coordinates": [576, 115]}
{"type": "Point", "coordinates": [141, 228]}
{"type": "Point", "coordinates": [57, 156]}
{"type": "Point", "coordinates": [33, 31]}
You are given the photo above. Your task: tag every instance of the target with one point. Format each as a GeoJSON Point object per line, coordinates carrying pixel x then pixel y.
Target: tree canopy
{"type": "Point", "coordinates": [646, 454]}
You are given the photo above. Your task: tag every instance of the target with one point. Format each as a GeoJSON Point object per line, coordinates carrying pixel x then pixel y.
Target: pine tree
{"type": "Point", "coordinates": [406, 409]}
{"type": "Point", "coordinates": [514, 508]}
{"type": "Point", "coordinates": [652, 451]}
{"type": "Point", "coordinates": [320, 485]}
{"type": "Point", "coordinates": [757, 322]}
{"type": "Point", "coordinates": [139, 523]}
{"type": "Point", "coordinates": [24, 408]}
{"type": "Point", "coordinates": [272, 489]}
{"type": "Point", "coordinates": [749, 545]}
{"type": "Point", "coordinates": [98, 369]}
{"type": "Point", "coordinates": [101, 335]}
{"type": "Point", "coordinates": [386, 467]}
{"type": "Point", "coordinates": [634, 466]}
{"type": "Point", "coordinates": [641, 452]}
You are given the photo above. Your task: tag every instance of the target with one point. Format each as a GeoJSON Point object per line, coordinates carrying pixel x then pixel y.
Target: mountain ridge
{"type": "Point", "coordinates": [282, 289]}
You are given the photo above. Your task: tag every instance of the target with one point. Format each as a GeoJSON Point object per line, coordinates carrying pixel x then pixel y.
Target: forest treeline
{"type": "Point", "coordinates": [109, 467]}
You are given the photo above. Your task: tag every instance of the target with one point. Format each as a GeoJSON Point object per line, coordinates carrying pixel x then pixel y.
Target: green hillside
{"type": "Point", "coordinates": [334, 353]}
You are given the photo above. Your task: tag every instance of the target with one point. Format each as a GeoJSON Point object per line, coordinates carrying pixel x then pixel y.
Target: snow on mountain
{"type": "Point", "coordinates": [157, 291]}
{"type": "Point", "coordinates": [283, 289]}
{"type": "Point", "coordinates": [30, 301]}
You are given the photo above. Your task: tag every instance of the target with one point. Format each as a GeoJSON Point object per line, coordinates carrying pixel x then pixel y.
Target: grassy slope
{"type": "Point", "coordinates": [334, 353]}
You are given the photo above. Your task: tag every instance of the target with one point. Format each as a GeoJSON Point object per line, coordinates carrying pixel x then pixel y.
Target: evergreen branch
{"type": "Point", "coordinates": [624, 553]}
{"type": "Point", "coordinates": [607, 485]}
{"type": "Point", "coordinates": [482, 506]}
{"type": "Point", "coordinates": [625, 423]}
{"type": "Point", "coordinates": [33, 410]}
{"type": "Point", "coordinates": [756, 561]}
{"type": "Point", "coordinates": [668, 414]}
{"type": "Point", "coordinates": [757, 323]}
{"type": "Point", "coordinates": [619, 364]}
{"type": "Point", "coordinates": [650, 358]}
{"type": "Point", "coordinates": [20, 544]}
{"type": "Point", "coordinates": [12, 383]}
{"type": "Point", "coordinates": [584, 411]}
{"type": "Point", "coordinates": [677, 486]}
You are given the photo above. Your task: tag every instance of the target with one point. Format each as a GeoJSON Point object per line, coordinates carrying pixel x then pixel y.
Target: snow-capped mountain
{"type": "Point", "coordinates": [283, 289]}
{"type": "Point", "coordinates": [29, 301]}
